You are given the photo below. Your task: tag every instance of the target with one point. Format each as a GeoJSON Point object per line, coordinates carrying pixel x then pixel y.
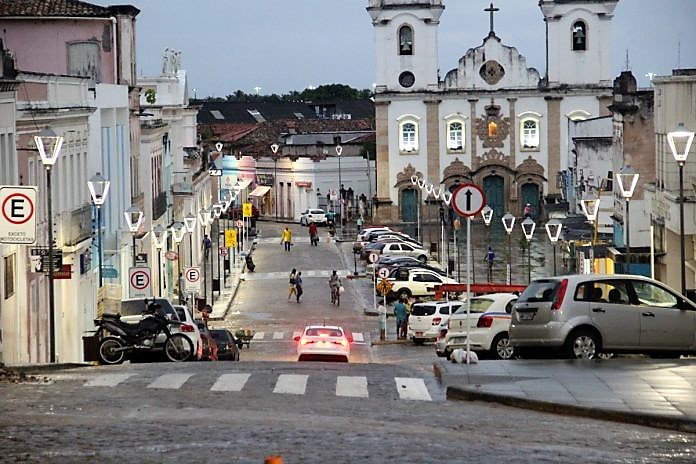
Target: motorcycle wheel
{"type": "Point", "coordinates": [178, 348]}
{"type": "Point", "coordinates": [111, 351]}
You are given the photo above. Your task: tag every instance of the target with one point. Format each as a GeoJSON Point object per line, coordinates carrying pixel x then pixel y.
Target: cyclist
{"type": "Point", "coordinates": [335, 284]}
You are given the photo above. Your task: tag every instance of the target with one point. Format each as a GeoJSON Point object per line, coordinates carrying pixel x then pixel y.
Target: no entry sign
{"type": "Point", "coordinates": [139, 282]}
{"type": "Point", "coordinates": [17, 214]}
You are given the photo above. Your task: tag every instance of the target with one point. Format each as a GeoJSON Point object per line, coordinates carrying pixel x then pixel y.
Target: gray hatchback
{"type": "Point", "coordinates": [584, 315]}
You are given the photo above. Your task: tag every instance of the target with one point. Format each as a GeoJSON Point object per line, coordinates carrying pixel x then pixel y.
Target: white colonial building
{"type": "Point", "coordinates": [491, 120]}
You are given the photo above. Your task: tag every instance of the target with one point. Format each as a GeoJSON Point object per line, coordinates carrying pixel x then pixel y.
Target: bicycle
{"type": "Point", "coordinates": [335, 296]}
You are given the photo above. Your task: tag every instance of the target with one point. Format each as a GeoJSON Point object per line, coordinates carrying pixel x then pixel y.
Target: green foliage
{"type": "Point", "coordinates": [150, 96]}
{"type": "Point", "coordinates": [322, 93]}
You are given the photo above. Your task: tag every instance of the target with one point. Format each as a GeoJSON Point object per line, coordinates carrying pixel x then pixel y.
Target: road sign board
{"type": "Point", "coordinates": [17, 214]}
{"type": "Point", "coordinates": [246, 210]}
{"type": "Point", "coordinates": [139, 282]}
{"type": "Point", "coordinates": [373, 257]}
{"type": "Point", "coordinates": [231, 238]}
{"type": "Point", "coordinates": [383, 272]}
{"type": "Point", "coordinates": [223, 251]}
{"type": "Point", "coordinates": [240, 223]}
{"type": "Point", "coordinates": [41, 262]}
{"type": "Point", "coordinates": [193, 279]}
{"type": "Point", "coordinates": [384, 286]}
{"type": "Point", "coordinates": [468, 200]}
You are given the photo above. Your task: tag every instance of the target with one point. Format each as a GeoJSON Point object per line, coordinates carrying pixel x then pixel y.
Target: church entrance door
{"type": "Point", "coordinates": [494, 189]}
{"type": "Point", "coordinates": [530, 194]}
{"type": "Point", "coordinates": [409, 210]}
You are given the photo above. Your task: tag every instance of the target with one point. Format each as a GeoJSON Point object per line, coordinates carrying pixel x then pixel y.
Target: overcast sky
{"type": "Point", "coordinates": [283, 45]}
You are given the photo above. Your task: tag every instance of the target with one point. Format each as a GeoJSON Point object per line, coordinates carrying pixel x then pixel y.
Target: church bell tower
{"type": "Point", "coordinates": [406, 43]}
{"type": "Point", "coordinates": [578, 41]}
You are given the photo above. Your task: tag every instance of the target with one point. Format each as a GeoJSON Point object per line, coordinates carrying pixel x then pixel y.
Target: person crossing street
{"type": "Point", "coordinates": [313, 234]}
{"type": "Point", "coordinates": [286, 239]}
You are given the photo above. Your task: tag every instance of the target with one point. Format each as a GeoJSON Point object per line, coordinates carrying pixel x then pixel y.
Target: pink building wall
{"type": "Point", "coordinates": [42, 46]}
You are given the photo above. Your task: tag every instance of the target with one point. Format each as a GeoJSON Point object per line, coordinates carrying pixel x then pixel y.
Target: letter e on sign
{"type": "Point", "coordinates": [17, 214]}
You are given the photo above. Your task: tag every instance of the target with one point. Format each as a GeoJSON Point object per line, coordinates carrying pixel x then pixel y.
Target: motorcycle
{"type": "Point", "coordinates": [119, 339]}
{"type": "Point", "coordinates": [250, 263]}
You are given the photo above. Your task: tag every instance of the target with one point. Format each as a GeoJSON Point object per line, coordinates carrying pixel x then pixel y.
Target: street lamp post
{"type": "Point", "coordinates": [528, 226]}
{"type": "Point", "coordinates": [487, 215]}
{"type": "Point", "coordinates": [190, 224]}
{"type": "Point", "coordinates": [680, 141]}
{"type": "Point", "coordinates": [217, 212]}
{"type": "Point", "coordinates": [339, 152]}
{"type": "Point", "coordinates": [159, 234]}
{"type": "Point", "coordinates": [134, 219]}
{"type": "Point", "coordinates": [509, 224]}
{"type": "Point", "coordinates": [627, 179]}
{"type": "Point", "coordinates": [99, 189]}
{"type": "Point", "coordinates": [553, 230]}
{"type": "Point", "coordinates": [205, 217]}
{"type": "Point", "coordinates": [178, 232]}
{"type": "Point", "coordinates": [49, 146]}
{"type": "Point", "coordinates": [274, 149]}
{"type": "Point", "coordinates": [590, 208]}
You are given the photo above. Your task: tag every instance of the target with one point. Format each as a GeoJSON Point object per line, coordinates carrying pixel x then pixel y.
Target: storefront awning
{"type": "Point", "coordinates": [260, 191]}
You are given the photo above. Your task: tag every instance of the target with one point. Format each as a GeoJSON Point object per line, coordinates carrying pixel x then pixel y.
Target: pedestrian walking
{"type": "Point", "coordinates": [298, 285]}
{"type": "Point", "coordinates": [206, 245]}
{"type": "Point", "coordinates": [291, 289]}
{"type": "Point", "coordinates": [404, 327]}
{"type": "Point", "coordinates": [382, 321]}
{"type": "Point", "coordinates": [286, 239]}
{"type": "Point", "coordinates": [313, 234]}
{"type": "Point", "coordinates": [400, 313]}
{"type": "Point", "coordinates": [490, 256]}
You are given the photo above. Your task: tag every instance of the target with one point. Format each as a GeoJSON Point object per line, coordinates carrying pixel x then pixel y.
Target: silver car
{"type": "Point", "coordinates": [586, 314]}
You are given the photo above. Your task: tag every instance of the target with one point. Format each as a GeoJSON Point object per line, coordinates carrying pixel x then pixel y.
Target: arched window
{"type": "Point", "coordinates": [529, 133]}
{"type": "Point", "coordinates": [579, 36]}
{"type": "Point", "coordinates": [408, 137]}
{"type": "Point", "coordinates": [455, 136]}
{"type": "Point", "coordinates": [405, 40]}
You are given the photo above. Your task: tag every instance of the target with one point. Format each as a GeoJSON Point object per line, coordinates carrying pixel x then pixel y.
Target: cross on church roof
{"type": "Point", "coordinates": [492, 11]}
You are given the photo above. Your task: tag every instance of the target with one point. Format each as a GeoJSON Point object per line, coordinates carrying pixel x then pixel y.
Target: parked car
{"type": "Point", "coordinates": [369, 237]}
{"type": "Point", "coordinates": [325, 342]}
{"type": "Point", "coordinates": [227, 345]}
{"type": "Point", "coordinates": [425, 319]}
{"type": "Point", "coordinates": [417, 282]}
{"type": "Point", "coordinates": [397, 248]}
{"type": "Point", "coordinates": [362, 236]}
{"type": "Point", "coordinates": [584, 315]}
{"type": "Point", "coordinates": [390, 236]}
{"type": "Point", "coordinates": [488, 325]}
{"type": "Point", "coordinates": [315, 215]}
{"type": "Point", "coordinates": [394, 262]}
{"type": "Point", "coordinates": [210, 349]}
{"type": "Point", "coordinates": [395, 271]}
{"type": "Point", "coordinates": [190, 329]}
{"type": "Point", "coordinates": [236, 212]}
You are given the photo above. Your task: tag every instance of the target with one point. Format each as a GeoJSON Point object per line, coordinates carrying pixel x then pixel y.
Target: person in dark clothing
{"type": "Point", "coordinates": [298, 285]}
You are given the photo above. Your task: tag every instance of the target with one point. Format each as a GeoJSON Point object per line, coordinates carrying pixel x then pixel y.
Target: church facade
{"type": "Point", "coordinates": [491, 120]}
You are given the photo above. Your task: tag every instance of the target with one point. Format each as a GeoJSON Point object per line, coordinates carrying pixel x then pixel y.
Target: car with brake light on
{"type": "Point", "coordinates": [487, 326]}
{"type": "Point", "coordinates": [425, 319]}
{"type": "Point", "coordinates": [323, 342]}
{"type": "Point", "coordinates": [585, 315]}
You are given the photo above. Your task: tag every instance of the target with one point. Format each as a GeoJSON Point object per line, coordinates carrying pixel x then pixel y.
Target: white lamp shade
{"type": "Point", "coordinates": [590, 208]}
{"type": "Point", "coordinates": [134, 218]}
{"type": "Point", "coordinates": [553, 230]}
{"type": "Point", "coordinates": [339, 150]}
{"type": "Point", "coordinates": [274, 148]}
{"type": "Point", "coordinates": [508, 222]}
{"type": "Point", "coordinates": [487, 214]}
{"type": "Point", "coordinates": [203, 217]}
{"type": "Point", "coordinates": [217, 210]}
{"type": "Point", "coordinates": [218, 146]}
{"type": "Point", "coordinates": [49, 148]}
{"type": "Point", "coordinates": [627, 179]}
{"type": "Point", "coordinates": [680, 141]}
{"type": "Point", "coordinates": [98, 189]}
{"type": "Point", "coordinates": [528, 226]}
{"type": "Point", "coordinates": [159, 235]}
{"type": "Point", "coordinates": [178, 232]}
{"type": "Point", "coordinates": [190, 222]}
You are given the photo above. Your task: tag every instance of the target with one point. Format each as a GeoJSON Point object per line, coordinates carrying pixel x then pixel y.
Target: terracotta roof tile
{"type": "Point", "coordinates": [51, 8]}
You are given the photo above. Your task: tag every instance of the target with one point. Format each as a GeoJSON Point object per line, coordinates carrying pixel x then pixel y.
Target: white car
{"type": "Point", "coordinates": [426, 318]}
{"type": "Point", "coordinates": [190, 329]}
{"type": "Point", "coordinates": [402, 249]}
{"type": "Point", "coordinates": [488, 325]}
{"type": "Point", "coordinates": [329, 342]}
{"type": "Point", "coordinates": [366, 231]}
{"type": "Point", "coordinates": [417, 282]}
{"type": "Point", "coordinates": [315, 215]}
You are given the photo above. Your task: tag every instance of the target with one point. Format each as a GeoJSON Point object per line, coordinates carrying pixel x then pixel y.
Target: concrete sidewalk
{"type": "Point", "coordinates": [654, 393]}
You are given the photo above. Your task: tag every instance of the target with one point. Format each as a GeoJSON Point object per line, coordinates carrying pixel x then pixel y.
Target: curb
{"type": "Point", "coordinates": [470, 393]}
{"type": "Point", "coordinates": [47, 367]}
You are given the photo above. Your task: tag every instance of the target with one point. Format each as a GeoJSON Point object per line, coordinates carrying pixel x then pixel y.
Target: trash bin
{"type": "Point", "coordinates": [90, 347]}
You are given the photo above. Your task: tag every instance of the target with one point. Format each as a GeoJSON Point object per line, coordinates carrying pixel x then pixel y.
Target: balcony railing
{"type": "Point", "coordinates": [159, 205]}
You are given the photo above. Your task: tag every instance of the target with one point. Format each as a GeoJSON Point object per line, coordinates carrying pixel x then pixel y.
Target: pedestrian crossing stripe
{"type": "Point", "coordinates": [283, 275]}
{"type": "Point", "coordinates": [408, 388]}
{"type": "Point", "coordinates": [276, 240]}
{"type": "Point", "coordinates": [358, 337]}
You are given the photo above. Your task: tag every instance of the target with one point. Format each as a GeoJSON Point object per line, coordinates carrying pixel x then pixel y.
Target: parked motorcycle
{"type": "Point", "coordinates": [119, 339]}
